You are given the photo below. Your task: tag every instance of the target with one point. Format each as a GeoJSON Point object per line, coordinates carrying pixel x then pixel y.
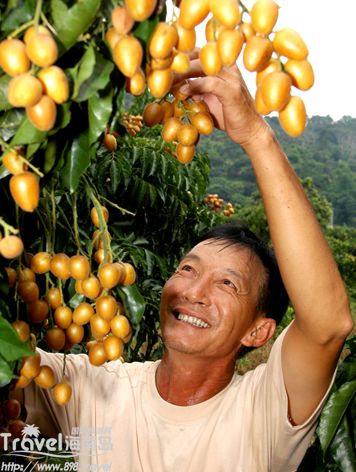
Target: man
{"type": "Point", "coordinates": [190, 411]}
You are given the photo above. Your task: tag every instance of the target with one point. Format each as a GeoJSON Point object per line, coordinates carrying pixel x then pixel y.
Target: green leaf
{"type": "Point", "coordinates": [22, 13]}
{"type": "Point", "coordinates": [99, 110]}
{"type": "Point", "coordinates": [4, 82]}
{"type": "Point", "coordinates": [133, 301]}
{"type": "Point", "coordinates": [144, 29]}
{"type": "Point", "coordinates": [77, 161]}
{"type": "Point", "coordinates": [84, 69]}
{"type": "Point", "coordinates": [333, 413]}
{"type": "Point", "coordinates": [342, 448]}
{"type": "Point", "coordinates": [70, 23]}
{"type": "Point", "coordinates": [10, 121]}
{"type": "Point", "coordinates": [11, 348]}
{"type": "Point", "coordinates": [98, 80]}
{"type": "Point", "coordinates": [27, 134]}
{"type": "Point", "coordinates": [6, 374]}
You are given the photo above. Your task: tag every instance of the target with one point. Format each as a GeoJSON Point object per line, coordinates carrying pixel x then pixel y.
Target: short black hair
{"type": "Point", "coordinates": [273, 299]}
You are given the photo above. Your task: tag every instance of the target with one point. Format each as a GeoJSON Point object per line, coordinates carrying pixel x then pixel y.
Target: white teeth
{"type": "Point", "coordinates": [192, 320]}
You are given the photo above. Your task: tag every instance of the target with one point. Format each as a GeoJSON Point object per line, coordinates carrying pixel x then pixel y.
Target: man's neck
{"type": "Point", "coordinates": [185, 380]}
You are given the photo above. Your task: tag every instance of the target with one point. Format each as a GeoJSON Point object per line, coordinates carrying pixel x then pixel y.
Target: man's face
{"type": "Point", "coordinates": [209, 303]}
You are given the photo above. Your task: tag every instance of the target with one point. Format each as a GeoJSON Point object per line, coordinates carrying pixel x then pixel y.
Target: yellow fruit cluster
{"type": "Point", "coordinates": [132, 123]}
{"type": "Point", "coordinates": [183, 120]}
{"type": "Point", "coordinates": [217, 204]}
{"type": "Point", "coordinates": [108, 329]}
{"type": "Point", "coordinates": [24, 185]}
{"type": "Point", "coordinates": [38, 93]}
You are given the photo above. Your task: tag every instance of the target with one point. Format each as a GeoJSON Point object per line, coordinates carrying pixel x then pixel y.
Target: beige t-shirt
{"type": "Point", "coordinates": [244, 428]}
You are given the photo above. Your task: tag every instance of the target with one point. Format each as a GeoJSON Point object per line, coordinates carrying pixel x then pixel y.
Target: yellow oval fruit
{"type": "Point", "coordinates": [121, 19]}
{"type": "Point", "coordinates": [33, 30]}
{"type": "Point", "coordinates": [152, 114]}
{"type": "Point", "coordinates": [42, 49]}
{"type": "Point", "coordinates": [229, 45]}
{"type": "Point", "coordinates": [213, 29]}
{"type": "Point", "coordinates": [287, 42]}
{"type": "Point", "coordinates": [120, 326]}
{"type": "Point", "coordinates": [43, 115]}
{"type": "Point", "coordinates": [128, 54]}
{"type": "Point", "coordinates": [82, 313]}
{"type": "Point", "coordinates": [74, 333]}
{"type": "Point", "coordinates": [272, 66]}
{"type": "Point", "coordinates": [168, 110]}
{"type": "Point", "coordinates": [25, 190]}
{"type": "Point", "coordinates": [113, 347]}
{"type": "Point", "coordinates": [247, 30]}
{"type": "Point", "coordinates": [40, 263]}
{"type": "Point", "coordinates": [11, 246]}
{"type": "Point", "coordinates": [140, 10]}
{"type": "Point", "coordinates": [301, 72]}
{"type": "Point", "coordinates": [264, 15]}
{"type": "Point", "coordinates": [227, 12]}
{"type": "Point", "coordinates": [99, 326]}
{"type": "Point", "coordinates": [54, 83]}
{"type": "Point", "coordinates": [203, 122]}
{"type": "Point", "coordinates": [180, 62]}
{"type": "Point", "coordinates": [109, 275]}
{"type": "Point", "coordinates": [46, 377]}
{"type": "Point", "coordinates": [91, 287]}
{"type": "Point", "coordinates": [129, 272]}
{"type": "Point", "coordinates": [163, 39]}
{"type": "Point", "coordinates": [293, 117]}
{"type": "Point", "coordinates": [97, 354]}
{"type": "Point", "coordinates": [186, 38]}
{"type": "Point", "coordinates": [209, 59]}
{"type": "Point", "coordinates": [170, 129]}
{"type": "Point", "coordinates": [63, 316]}
{"type": "Point", "coordinates": [13, 57]}
{"type": "Point", "coordinates": [260, 105]}
{"type": "Point", "coordinates": [13, 162]}
{"type": "Point", "coordinates": [79, 267]}
{"type": "Point", "coordinates": [187, 134]}
{"type": "Point", "coordinates": [275, 90]}
{"type": "Point", "coordinates": [95, 218]}
{"type": "Point", "coordinates": [193, 12]}
{"type": "Point", "coordinates": [185, 154]}
{"type": "Point", "coordinates": [24, 90]}
{"type": "Point", "coordinates": [137, 83]}
{"type": "Point", "coordinates": [112, 37]}
{"type": "Point", "coordinates": [159, 82]}
{"type": "Point", "coordinates": [62, 393]}
{"type": "Point", "coordinates": [257, 53]}
{"type": "Point", "coordinates": [106, 306]}
{"type": "Point", "coordinates": [37, 311]}
{"type": "Point", "coordinates": [60, 266]}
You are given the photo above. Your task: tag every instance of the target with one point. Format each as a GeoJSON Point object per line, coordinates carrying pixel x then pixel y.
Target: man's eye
{"type": "Point", "coordinates": [229, 283]}
{"type": "Point", "coordinates": [186, 268]}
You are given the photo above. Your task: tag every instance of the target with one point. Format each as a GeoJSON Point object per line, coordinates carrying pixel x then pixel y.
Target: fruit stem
{"type": "Point", "coordinates": [75, 223]}
{"type": "Point", "coordinates": [38, 10]}
{"type": "Point", "coordinates": [20, 29]}
{"type": "Point", "coordinates": [7, 147]}
{"type": "Point", "coordinates": [8, 229]}
{"type": "Point", "coordinates": [244, 9]}
{"type": "Point", "coordinates": [123, 210]}
{"type": "Point", "coordinates": [102, 222]}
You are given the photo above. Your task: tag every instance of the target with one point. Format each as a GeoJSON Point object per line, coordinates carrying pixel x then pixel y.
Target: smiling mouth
{"type": "Point", "coordinates": [192, 320]}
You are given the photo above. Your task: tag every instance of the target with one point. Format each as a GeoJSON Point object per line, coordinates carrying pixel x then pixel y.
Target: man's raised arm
{"type": "Point", "coordinates": [311, 277]}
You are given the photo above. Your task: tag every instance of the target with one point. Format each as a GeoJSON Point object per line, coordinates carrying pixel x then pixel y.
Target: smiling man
{"type": "Point", "coordinates": [190, 411]}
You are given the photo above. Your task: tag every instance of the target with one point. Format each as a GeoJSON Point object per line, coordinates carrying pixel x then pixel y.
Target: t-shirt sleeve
{"type": "Point", "coordinates": [286, 443]}
{"type": "Point", "coordinates": [41, 408]}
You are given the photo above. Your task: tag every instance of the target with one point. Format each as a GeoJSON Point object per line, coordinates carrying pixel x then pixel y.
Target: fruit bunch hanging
{"type": "Point", "coordinates": [183, 120]}
{"type": "Point", "coordinates": [36, 83]}
{"type": "Point", "coordinates": [278, 57]}
{"type": "Point", "coordinates": [98, 320]}
{"type": "Point", "coordinates": [218, 204]}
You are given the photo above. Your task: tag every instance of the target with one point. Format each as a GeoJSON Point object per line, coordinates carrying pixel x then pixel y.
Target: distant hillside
{"type": "Point", "coordinates": [326, 152]}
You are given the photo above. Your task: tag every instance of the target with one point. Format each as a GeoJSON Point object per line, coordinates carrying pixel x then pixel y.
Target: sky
{"type": "Point", "coordinates": [328, 28]}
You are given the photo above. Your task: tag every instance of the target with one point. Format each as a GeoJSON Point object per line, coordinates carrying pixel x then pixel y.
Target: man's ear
{"type": "Point", "coordinates": [260, 332]}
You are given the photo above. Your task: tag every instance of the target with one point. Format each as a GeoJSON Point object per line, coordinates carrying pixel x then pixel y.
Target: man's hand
{"type": "Point", "coordinates": [228, 98]}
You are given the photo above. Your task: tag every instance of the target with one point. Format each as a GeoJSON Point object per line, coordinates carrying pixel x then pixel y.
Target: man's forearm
{"type": "Point", "coordinates": [308, 268]}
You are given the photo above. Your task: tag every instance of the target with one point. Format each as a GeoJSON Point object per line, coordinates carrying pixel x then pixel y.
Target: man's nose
{"type": "Point", "coordinates": [197, 291]}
